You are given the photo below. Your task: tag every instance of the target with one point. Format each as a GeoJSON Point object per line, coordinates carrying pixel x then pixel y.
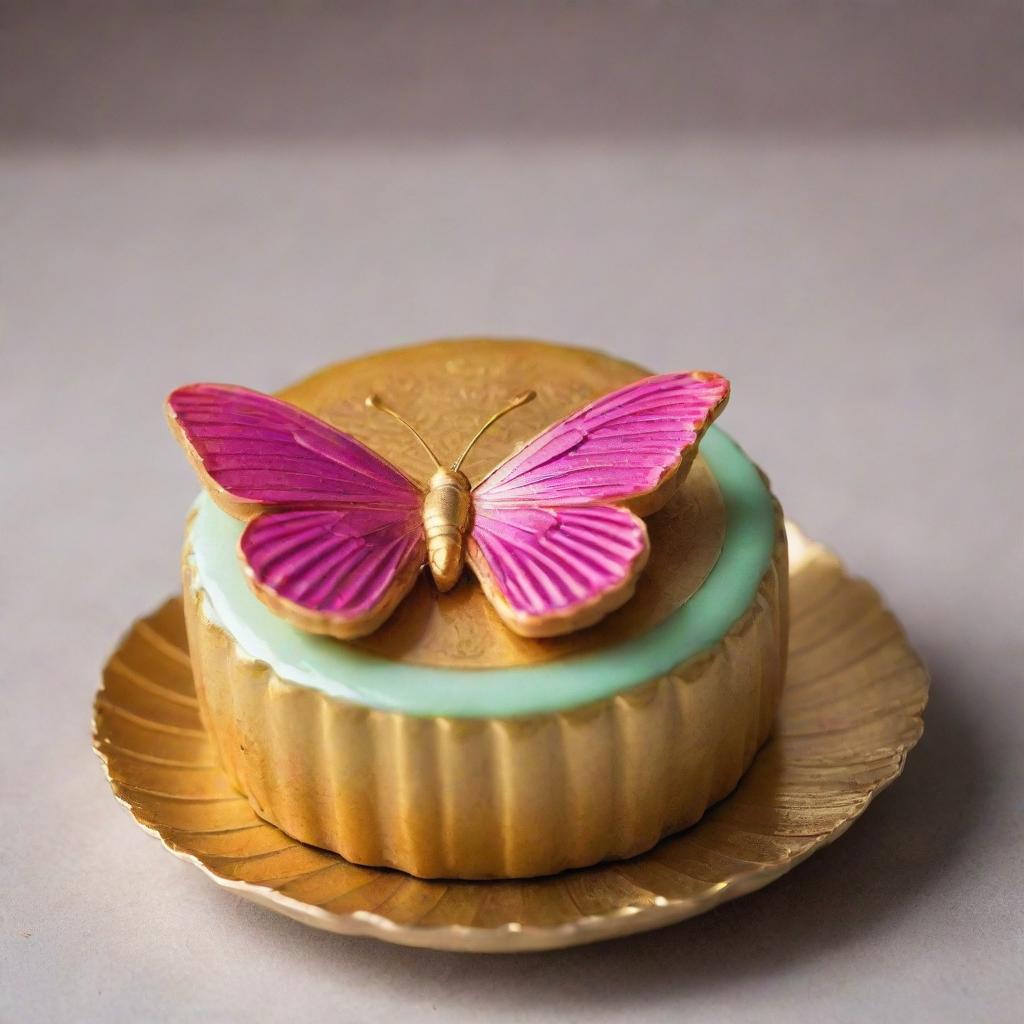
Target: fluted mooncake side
{"type": "Point", "coordinates": [499, 797]}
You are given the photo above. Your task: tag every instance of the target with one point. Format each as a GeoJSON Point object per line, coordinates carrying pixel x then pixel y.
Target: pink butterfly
{"type": "Point", "coordinates": [336, 536]}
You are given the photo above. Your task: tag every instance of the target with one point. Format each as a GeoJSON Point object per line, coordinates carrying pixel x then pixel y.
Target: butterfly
{"type": "Point", "coordinates": [336, 536]}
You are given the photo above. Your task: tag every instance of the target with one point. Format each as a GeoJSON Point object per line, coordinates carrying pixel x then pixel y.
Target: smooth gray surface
{"type": "Point", "coordinates": [851, 257]}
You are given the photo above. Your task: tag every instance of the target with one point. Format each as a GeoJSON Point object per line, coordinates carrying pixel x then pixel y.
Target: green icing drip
{"type": "Point", "coordinates": [344, 672]}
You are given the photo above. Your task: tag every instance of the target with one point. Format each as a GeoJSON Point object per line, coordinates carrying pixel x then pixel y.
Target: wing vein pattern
{"type": "Point", "coordinates": [264, 451]}
{"type": "Point", "coordinates": [334, 537]}
{"type": "Point", "coordinates": [550, 544]}
{"type": "Point", "coordinates": [619, 447]}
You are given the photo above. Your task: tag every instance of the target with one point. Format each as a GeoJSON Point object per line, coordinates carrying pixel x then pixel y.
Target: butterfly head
{"type": "Point", "coordinates": [447, 505]}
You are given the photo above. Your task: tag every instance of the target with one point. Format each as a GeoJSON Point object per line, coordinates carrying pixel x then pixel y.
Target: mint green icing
{"type": "Point", "coordinates": [345, 672]}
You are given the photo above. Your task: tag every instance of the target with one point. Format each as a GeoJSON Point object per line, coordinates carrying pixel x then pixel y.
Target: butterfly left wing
{"type": "Point", "coordinates": [254, 451]}
{"type": "Point", "coordinates": [335, 535]}
{"type": "Point", "coordinates": [339, 571]}
{"type": "Point", "coordinates": [556, 541]}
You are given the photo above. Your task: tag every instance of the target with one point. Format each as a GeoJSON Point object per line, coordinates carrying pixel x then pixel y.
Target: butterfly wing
{"type": "Point", "coordinates": [254, 451]}
{"type": "Point", "coordinates": [549, 571]}
{"type": "Point", "coordinates": [335, 537]}
{"type": "Point", "coordinates": [628, 447]}
{"type": "Point", "coordinates": [556, 540]}
{"type": "Point", "coordinates": [340, 571]}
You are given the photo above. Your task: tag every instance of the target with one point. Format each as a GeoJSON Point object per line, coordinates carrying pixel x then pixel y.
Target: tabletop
{"type": "Point", "coordinates": [822, 203]}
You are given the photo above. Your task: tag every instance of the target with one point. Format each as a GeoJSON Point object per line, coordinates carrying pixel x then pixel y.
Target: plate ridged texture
{"type": "Point", "coordinates": [852, 708]}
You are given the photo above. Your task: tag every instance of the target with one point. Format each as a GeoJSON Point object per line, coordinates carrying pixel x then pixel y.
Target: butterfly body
{"type": "Point", "coordinates": [336, 536]}
{"type": "Point", "coordinates": [446, 511]}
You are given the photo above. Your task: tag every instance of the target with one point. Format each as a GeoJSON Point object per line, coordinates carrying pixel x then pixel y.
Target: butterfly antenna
{"type": "Point", "coordinates": [374, 402]}
{"type": "Point", "coordinates": [518, 400]}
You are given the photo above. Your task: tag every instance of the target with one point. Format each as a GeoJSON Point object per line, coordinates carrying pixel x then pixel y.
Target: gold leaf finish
{"type": "Point", "coordinates": [515, 797]}
{"type": "Point", "coordinates": [445, 389]}
{"type": "Point", "coordinates": [855, 693]}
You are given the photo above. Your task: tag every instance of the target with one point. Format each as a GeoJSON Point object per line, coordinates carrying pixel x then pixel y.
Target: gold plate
{"type": "Point", "coordinates": [855, 693]}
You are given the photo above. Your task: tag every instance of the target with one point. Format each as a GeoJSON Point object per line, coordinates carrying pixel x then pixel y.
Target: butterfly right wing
{"type": "Point", "coordinates": [556, 542]}
{"type": "Point", "coordinates": [549, 571]}
{"type": "Point", "coordinates": [335, 533]}
{"type": "Point", "coordinates": [629, 447]}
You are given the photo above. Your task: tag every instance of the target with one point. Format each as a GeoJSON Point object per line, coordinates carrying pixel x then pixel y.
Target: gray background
{"type": "Point", "coordinates": [821, 200]}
